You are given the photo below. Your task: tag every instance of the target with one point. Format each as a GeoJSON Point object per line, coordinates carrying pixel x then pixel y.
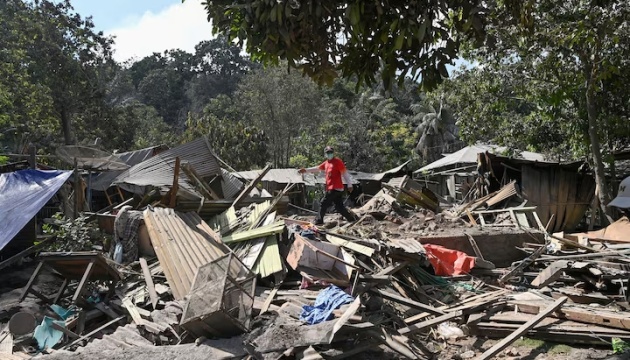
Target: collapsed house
{"type": "Point", "coordinates": [449, 174]}
{"type": "Point", "coordinates": [204, 264]}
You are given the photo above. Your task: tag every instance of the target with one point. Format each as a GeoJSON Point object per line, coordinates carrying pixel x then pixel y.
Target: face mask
{"type": "Point", "coordinates": [329, 156]}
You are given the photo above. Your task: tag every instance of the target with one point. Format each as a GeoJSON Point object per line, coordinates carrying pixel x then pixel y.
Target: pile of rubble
{"type": "Point", "coordinates": [402, 281]}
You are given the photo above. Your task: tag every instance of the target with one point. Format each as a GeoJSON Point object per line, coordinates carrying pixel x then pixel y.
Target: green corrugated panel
{"type": "Point", "coordinates": [263, 231]}
{"type": "Point", "coordinates": [269, 262]}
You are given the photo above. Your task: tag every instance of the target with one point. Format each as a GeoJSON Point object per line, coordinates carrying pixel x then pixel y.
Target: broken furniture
{"type": "Point", "coordinates": [221, 299]}
{"type": "Point", "coordinates": [321, 260]}
{"type": "Point", "coordinates": [80, 266]}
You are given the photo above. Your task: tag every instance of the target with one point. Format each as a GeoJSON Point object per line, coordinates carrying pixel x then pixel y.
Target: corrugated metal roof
{"type": "Point", "coordinates": [281, 176]}
{"type": "Point", "coordinates": [287, 176]}
{"type": "Point", "coordinates": [103, 181]}
{"type": "Point", "coordinates": [269, 262]}
{"type": "Point", "coordinates": [410, 246]}
{"type": "Point", "coordinates": [183, 242]}
{"type": "Point", "coordinates": [468, 155]}
{"type": "Point", "coordinates": [158, 171]}
{"type": "Point", "coordinates": [230, 185]}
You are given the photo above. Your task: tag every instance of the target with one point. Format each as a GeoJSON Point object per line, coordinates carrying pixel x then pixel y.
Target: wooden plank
{"type": "Point", "coordinates": [409, 302]}
{"type": "Point", "coordinates": [17, 257]}
{"type": "Point", "coordinates": [552, 273]}
{"type": "Point", "coordinates": [29, 285]}
{"type": "Point", "coordinates": [392, 269]}
{"type": "Point", "coordinates": [204, 188]}
{"type": "Point", "coordinates": [522, 265]}
{"type": "Point", "coordinates": [430, 323]}
{"type": "Point", "coordinates": [269, 299]}
{"type": "Point", "coordinates": [173, 198]}
{"type": "Point", "coordinates": [149, 281]}
{"type": "Point", "coordinates": [62, 289]}
{"type": "Point", "coordinates": [361, 249]}
{"type": "Point", "coordinates": [251, 186]}
{"type": "Point", "coordinates": [471, 218]}
{"type": "Point", "coordinates": [498, 347]}
{"type": "Point", "coordinates": [107, 310]}
{"type": "Point", "coordinates": [64, 330]}
{"type": "Point", "coordinates": [579, 314]}
{"type": "Point", "coordinates": [86, 276]}
{"type": "Point", "coordinates": [131, 308]}
{"type": "Point", "coordinates": [93, 332]}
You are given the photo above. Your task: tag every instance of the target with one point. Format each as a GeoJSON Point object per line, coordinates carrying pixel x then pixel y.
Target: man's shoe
{"type": "Point", "coordinates": [319, 222]}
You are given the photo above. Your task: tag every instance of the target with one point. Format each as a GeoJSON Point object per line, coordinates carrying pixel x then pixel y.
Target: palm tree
{"type": "Point", "coordinates": [437, 129]}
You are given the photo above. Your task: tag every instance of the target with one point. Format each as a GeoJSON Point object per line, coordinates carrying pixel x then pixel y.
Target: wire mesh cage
{"type": "Point", "coordinates": [221, 299]}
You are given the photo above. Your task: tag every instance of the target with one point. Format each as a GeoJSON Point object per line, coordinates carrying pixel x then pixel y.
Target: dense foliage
{"type": "Point", "coordinates": [548, 76]}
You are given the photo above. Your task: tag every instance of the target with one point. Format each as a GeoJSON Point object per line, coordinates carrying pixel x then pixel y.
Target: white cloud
{"type": "Point", "coordinates": [180, 26]}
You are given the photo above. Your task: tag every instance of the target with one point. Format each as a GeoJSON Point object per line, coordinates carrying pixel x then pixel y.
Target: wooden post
{"type": "Point", "coordinates": [175, 187]}
{"type": "Point", "coordinates": [149, 280]}
{"type": "Point", "coordinates": [498, 347]}
{"type": "Point", "coordinates": [83, 282]}
{"type": "Point", "coordinates": [77, 186]}
{"type": "Point", "coordinates": [32, 160]}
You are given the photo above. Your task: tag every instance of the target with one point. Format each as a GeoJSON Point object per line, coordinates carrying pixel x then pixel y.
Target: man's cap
{"type": "Point", "coordinates": [329, 149]}
{"type": "Point", "coordinates": [623, 196]}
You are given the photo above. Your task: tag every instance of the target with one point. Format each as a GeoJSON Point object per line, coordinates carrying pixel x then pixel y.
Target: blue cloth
{"type": "Point", "coordinates": [62, 312]}
{"type": "Point", "coordinates": [22, 194]}
{"type": "Point", "coordinates": [46, 335]}
{"type": "Point", "coordinates": [327, 301]}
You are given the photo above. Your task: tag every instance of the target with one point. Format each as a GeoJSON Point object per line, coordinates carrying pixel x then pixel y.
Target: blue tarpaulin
{"type": "Point", "coordinates": [22, 194]}
{"type": "Point", "coordinates": [327, 301]}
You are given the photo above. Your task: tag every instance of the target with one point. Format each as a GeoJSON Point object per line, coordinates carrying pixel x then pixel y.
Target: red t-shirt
{"type": "Point", "coordinates": [333, 168]}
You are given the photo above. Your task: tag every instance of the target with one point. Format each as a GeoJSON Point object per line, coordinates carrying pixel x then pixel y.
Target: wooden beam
{"type": "Point", "coordinates": [498, 347]}
{"type": "Point", "coordinates": [91, 333]}
{"type": "Point", "coordinates": [83, 282]}
{"type": "Point", "coordinates": [64, 330]}
{"type": "Point", "coordinates": [205, 189]}
{"type": "Point", "coordinates": [63, 287]}
{"type": "Point", "coordinates": [408, 302]}
{"type": "Point", "coordinates": [269, 299]}
{"type": "Point", "coordinates": [149, 280]}
{"type": "Point", "coordinates": [430, 323]}
{"type": "Point", "coordinates": [617, 320]}
{"type": "Point", "coordinates": [77, 186]}
{"type": "Point", "coordinates": [15, 258]}
{"type": "Point", "coordinates": [552, 273]}
{"type": "Point", "coordinates": [251, 186]}
{"type": "Point", "coordinates": [522, 265]}
{"type": "Point", "coordinates": [29, 285]}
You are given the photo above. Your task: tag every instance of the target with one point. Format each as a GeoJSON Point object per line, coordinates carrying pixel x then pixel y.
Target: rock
{"type": "Point", "coordinates": [512, 352]}
{"type": "Point", "coordinates": [467, 355]}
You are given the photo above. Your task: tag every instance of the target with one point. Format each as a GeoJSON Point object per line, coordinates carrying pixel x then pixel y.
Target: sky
{"type": "Point", "coordinates": [141, 27]}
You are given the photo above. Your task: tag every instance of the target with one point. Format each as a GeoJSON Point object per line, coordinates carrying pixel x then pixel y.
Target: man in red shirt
{"type": "Point", "coordinates": [336, 175]}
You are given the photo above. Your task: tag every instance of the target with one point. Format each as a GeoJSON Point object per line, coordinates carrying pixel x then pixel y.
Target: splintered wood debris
{"type": "Point", "coordinates": [281, 287]}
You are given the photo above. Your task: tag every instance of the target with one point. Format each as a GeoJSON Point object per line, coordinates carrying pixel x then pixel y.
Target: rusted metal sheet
{"type": "Point", "coordinates": [183, 242]}
{"type": "Point", "coordinates": [560, 191]}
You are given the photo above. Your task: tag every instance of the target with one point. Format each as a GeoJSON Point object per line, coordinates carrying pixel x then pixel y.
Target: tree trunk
{"type": "Point", "coordinates": [596, 151]}
{"type": "Point", "coordinates": [66, 127]}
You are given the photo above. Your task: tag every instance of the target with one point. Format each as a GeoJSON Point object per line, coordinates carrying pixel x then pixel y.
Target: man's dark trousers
{"type": "Point", "coordinates": [333, 197]}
